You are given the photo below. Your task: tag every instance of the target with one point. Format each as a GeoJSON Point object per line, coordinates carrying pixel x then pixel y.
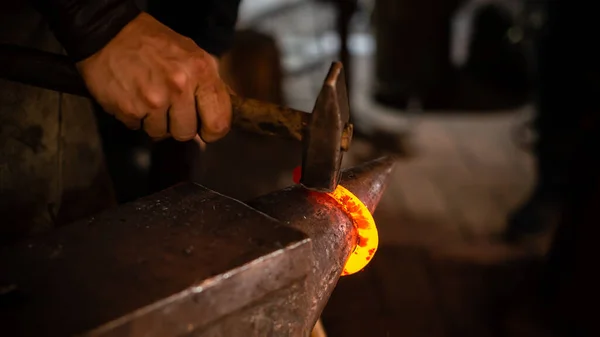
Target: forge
{"type": "Point", "coordinates": [188, 262]}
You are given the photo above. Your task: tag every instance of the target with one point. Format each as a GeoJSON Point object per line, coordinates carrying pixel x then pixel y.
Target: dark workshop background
{"type": "Point", "coordinates": [449, 86]}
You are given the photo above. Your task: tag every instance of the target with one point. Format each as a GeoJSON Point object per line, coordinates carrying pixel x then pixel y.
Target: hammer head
{"type": "Point", "coordinates": [328, 134]}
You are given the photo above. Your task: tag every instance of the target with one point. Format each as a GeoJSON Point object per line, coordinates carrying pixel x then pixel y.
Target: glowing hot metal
{"type": "Point", "coordinates": [357, 211]}
{"type": "Point", "coordinates": [363, 221]}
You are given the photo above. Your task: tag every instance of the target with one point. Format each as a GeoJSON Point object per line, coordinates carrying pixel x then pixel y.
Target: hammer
{"type": "Point", "coordinates": [326, 133]}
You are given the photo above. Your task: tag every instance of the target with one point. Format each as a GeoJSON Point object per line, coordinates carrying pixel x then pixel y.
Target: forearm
{"type": "Point", "coordinates": [210, 23]}
{"type": "Point", "coordinates": [83, 27]}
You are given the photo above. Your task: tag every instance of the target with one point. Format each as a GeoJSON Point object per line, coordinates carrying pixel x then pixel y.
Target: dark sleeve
{"type": "Point", "coordinates": [210, 23]}
{"type": "Point", "coordinates": [83, 27]}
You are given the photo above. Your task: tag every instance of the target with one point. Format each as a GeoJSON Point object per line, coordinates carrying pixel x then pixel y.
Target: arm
{"type": "Point", "coordinates": [141, 71]}
{"type": "Point", "coordinates": [83, 27]}
{"type": "Point", "coordinates": [210, 23]}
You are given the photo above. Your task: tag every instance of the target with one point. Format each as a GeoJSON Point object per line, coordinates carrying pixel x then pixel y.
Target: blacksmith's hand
{"type": "Point", "coordinates": [151, 77]}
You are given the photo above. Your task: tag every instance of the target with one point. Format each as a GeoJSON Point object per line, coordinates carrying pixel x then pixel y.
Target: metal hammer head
{"type": "Point", "coordinates": [327, 135]}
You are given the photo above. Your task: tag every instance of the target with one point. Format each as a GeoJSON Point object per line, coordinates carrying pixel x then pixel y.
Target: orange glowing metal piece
{"type": "Point", "coordinates": [368, 238]}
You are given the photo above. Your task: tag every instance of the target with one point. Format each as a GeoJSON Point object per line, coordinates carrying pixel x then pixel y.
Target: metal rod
{"type": "Point", "coordinates": [41, 69]}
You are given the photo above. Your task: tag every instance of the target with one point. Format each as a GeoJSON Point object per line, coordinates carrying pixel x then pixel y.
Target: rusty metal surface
{"type": "Point", "coordinates": [330, 229]}
{"type": "Point", "coordinates": [188, 262]}
{"type": "Point", "coordinates": [162, 266]}
{"type": "Point", "coordinates": [327, 135]}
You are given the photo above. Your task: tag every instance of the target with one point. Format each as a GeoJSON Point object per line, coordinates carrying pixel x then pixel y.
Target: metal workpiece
{"type": "Point", "coordinates": [330, 229]}
{"type": "Point", "coordinates": [187, 262]}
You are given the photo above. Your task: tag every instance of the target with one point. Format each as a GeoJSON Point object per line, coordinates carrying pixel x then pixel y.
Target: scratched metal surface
{"type": "Point", "coordinates": [163, 265]}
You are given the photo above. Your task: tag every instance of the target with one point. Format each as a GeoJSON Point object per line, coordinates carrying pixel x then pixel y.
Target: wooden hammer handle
{"type": "Point", "coordinates": [268, 119]}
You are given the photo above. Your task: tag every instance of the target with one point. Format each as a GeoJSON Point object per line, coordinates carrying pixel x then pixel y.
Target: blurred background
{"type": "Point", "coordinates": [486, 103]}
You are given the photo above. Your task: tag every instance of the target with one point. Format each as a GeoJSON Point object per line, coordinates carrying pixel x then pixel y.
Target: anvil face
{"type": "Point", "coordinates": [167, 265]}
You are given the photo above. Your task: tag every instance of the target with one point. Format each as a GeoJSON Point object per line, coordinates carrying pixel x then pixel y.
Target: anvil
{"type": "Point", "coordinates": [187, 262]}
